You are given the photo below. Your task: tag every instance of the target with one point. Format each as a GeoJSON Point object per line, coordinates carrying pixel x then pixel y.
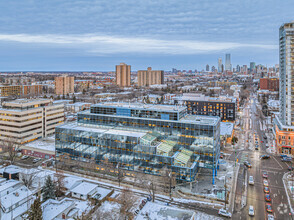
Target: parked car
{"type": "Point", "coordinates": [267, 197]}
{"type": "Point", "coordinates": [251, 180]}
{"type": "Point", "coordinates": [264, 174]}
{"type": "Point", "coordinates": [291, 168]}
{"type": "Point", "coordinates": [224, 213]}
{"type": "Point", "coordinates": [24, 157]}
{"type": "Point", "coordinates": [266, 190]}
{"type": "Point", "coordinates": [265, 156]}
{"type": "Point", "coordinates": [269, 208]}
{"type": "Point", "coordinates": [270, 217]}
{"type": "Point", "coordinates": [247, 164]}
{"type": "Point", "coordinates": [36, 160]}
{"type": "Point", "coordinates": [251, 210]}
{"type": "Point", "coordinates": [287, 159]}
{"type": "Point", "coordinates": [265, 182]}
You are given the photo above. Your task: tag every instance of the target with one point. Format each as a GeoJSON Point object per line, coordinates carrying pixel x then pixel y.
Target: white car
{"type": "Point", "coordinates": [36, 160]}
{"type": "Point", "coordinates": [24, 157]}
{"type": "Point", "coordinates": [251, 210]}
{"type": "Point", "coordinates": [251, 181]}
{"type": "Point", "coordinates": [270, 217]}
{"type": "Point", "coordinates": [224, 213]}
{"type": "Point", "coordinates": [265, 182]}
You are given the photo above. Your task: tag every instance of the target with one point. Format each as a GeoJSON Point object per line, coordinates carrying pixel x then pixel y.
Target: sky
{"type": "Point", "coordinates": [96, 35]}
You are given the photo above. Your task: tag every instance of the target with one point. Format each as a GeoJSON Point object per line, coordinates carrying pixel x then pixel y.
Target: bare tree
{"type": "Point", "coordinates": [59, 182]}
{"type": "Point", "coordinates": [11, 147]}
{"type": "Point", "coordinates": [28, 177]}
{"type": "Point", "coordinates": [148, 182]}
{"type": "Point", "coordinates": [119, 174]}
{"type": "Point", "coordinates": [168, 180]}
{"type": "Point", "coordinates": [102, 215]}
{"type": "Point", "coordinates": [126, 200]}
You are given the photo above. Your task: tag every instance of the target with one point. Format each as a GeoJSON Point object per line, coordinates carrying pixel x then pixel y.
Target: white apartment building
{"type": "Point", "coordinates": [25, 120]}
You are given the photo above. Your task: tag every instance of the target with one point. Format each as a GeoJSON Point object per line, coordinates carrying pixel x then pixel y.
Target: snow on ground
{"type": "Point", "coordinates": [83, 206]}
{"type": "Point", "coordinates": [155, 211]}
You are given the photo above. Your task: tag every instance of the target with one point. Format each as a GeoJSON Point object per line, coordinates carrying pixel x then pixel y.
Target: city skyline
{"type": "Point", "coordinates": [92, 35]}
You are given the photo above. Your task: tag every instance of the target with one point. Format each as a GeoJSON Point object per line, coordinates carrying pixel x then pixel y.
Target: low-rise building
{"type": "Point", "coordinates": [198, 104]}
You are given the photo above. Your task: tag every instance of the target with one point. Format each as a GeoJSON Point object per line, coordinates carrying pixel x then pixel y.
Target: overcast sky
{"type": "Point", "coordinates": [92, 35]}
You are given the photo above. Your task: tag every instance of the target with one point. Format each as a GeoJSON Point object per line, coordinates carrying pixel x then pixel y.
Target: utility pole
{"type": "Point", "coordinates": [225, 192]}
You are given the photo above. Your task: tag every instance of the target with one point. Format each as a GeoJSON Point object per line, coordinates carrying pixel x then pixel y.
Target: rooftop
{"type": "Point", "coordinates": [110, 130]}
{"type": "Point", "coordinates": [201, 97]}
{"type": "Point", "coordinates": [84, 188]}
{"type": "Point", "coordinates": [167, 108]}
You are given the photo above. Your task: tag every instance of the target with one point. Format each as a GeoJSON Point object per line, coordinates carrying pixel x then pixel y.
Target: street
{"type": "Point", "coordinates": [274, 167]}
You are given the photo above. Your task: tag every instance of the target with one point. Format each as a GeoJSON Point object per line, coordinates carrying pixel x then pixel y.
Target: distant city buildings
{"type": "Point", "coordinates": [228, 66]}
{"type": "Point", "coordinates": [284, 123]}
{"type": "Point", "coordinates": [252, 67]}
{"type": "Point", "coordinates": [213, 69]}
{"type": "Point", "coordinates": [20, 90]}
{"type": "Point", "coordinates": [220, 69]}
{"type": "Point", "coordinates": [207, 68]}
{"type": "Point", "coordinates": [123, 75]}
{"type": "Point", "coordinates": [25, 120]}
{"type": "Point", "coordinates": [64, 85]}
{"type": "Point", "coordinates": [150, 77]}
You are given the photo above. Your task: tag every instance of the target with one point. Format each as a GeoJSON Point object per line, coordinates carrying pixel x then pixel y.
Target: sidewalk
{"type": "Point", "coordinates": [288, 181]}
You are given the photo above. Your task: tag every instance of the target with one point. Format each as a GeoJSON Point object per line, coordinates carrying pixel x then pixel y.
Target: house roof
{"type": "Point", "coordinates": [84, 188]}
{"type": "Point", "coordinates": [52, 208]}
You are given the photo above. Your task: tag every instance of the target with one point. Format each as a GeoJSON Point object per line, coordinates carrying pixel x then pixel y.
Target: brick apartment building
{"type": "Point", "coordinates": [271, 84]}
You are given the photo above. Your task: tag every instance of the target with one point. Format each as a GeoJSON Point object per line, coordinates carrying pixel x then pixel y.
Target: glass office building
{"type": "Point", "coordinates": [143, 138]}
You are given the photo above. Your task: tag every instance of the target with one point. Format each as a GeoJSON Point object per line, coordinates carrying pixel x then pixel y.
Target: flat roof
{"type": "Point", "coordinates": [110, 130]}
{"type": "Point", "coordinates": [200, 119]}
{"type": "Point", "coordinates": [151, 107]}
{"type": "Point", "coordinates": [197, 97]}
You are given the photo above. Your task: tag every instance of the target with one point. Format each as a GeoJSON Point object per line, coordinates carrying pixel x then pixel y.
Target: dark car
{"type": "Point", "coordinates": [265, 156]}
{"type": "Point", "coordinates": [266, 190]}
{"type": "Point", "coordinates": [264, 174]}
{"type": "Point", "coordinates": [269, 208]}
{"type": "Point", "coordinates": [247, 164]}
{"type": "Point", "coordinates": [267, 198]}
{"type": "Point", "coordinates": [265, 137]}
{"type": "Point", "coordinates": [291, 168]}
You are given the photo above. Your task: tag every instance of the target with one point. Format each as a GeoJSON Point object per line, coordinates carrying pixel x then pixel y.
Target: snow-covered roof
{"type": "Point", "coordinates": [11, 169]}
{"type": "Point", "coordinates": [8, 184]}
{"type": "Point", "coordinates": [156, 211]}
{"type": "Point", "coordinates": [226, 128]}
{"type": "Point", "coordinates": [15, 197]}
{"type": "Point", "coordinates": [71, 181]}
{"type": "Point", "coordinates": [84, 188]}
{"type": "Point", "coordinates": [47, 143]}
{"type": "Point", "coordinates": [102, 192]}
{"type": "Point", "coordinates": [52, 208]}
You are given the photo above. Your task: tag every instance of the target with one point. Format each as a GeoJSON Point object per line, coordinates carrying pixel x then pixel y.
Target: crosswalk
{"type": "Point", "coordinates": [244, 157]}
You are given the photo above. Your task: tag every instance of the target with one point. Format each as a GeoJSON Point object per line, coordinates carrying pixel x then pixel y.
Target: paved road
{"type": "Point", "coordinates": [274, 167]}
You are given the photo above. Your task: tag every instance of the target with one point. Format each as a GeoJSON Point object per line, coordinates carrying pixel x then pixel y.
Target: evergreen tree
{"type": "Point", "coordinates": [35, 212]}
{"type": "Point", "coordinates": [74, 99]}
{"type": "Point", "coordinates": [48, 189]}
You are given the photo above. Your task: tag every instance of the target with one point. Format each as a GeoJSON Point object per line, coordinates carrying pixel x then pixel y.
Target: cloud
{"type": "Point", "coordinates": [104, 44]}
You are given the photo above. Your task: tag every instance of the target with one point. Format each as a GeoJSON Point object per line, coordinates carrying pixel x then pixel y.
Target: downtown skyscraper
{"type": "Point", "coordinates": [219, 65]}
{"type": "Point", "coordinates": [228, 66]}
